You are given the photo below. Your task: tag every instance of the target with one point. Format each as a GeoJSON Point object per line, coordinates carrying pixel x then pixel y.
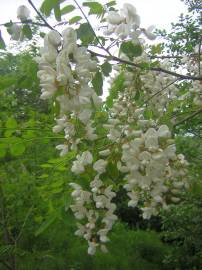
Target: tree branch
{"type": "Point", "coordinates": [26, 22]}
{"type": "Point", "coordinates": [165, 87]}
{"type": "Point", "coordinates": [188, 117]}
{"type": "Point", "coordinates": [117, 59]}
{"type": "Point", "coordinates": [114, 58]}
{"type": "Point", "coordinates": [98, 40]}
{"type": "Point", "coordinates": [40, 16]}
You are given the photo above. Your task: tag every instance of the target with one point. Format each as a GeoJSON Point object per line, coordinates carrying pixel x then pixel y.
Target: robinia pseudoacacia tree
{"type": "Point", "coordinates": [126, 141]}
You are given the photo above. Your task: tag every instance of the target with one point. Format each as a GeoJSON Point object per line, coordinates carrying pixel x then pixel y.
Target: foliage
{"type": "Point", "coordinates": [152, 107]}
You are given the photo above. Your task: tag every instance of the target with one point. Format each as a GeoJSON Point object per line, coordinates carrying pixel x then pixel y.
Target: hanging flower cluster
{"type": "Point", "coordinates": [126, 24]}
{"type": "Point", "coordinates": [150, 170]}
{"type": "Point", "coordinates": [154, 174]}
{"type": "Point", "coordinates": [66, 70]}
{"type": "Point", "coordinates": [95, 211]}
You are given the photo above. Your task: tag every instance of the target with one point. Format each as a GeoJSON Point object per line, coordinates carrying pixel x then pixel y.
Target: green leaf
{"type": "Point", "coordinates": [11, 123]}
{"type": "Point", "coordinates": [75, 19]}
{"type": "Point", "coordinates": [47, 6]}
{"type": "Point", "coordinates": [2, 43]}
{"type": "Point", "coordinates": [16, 146]}
{"type": "Point", "coordinates": [97, 83]}
{"type": "Point", "coordinates": [27, 31]}
{"type": "Point", "coordinates": [95, 7]}
{"type": "Point", "coordinates": [67, 9]}
{"type": "Point", "coordinates": [57, 11]}
{"type": "Point", "coordinates": [46, 224]}
{"type": "Point", "coordinates": [118, 86]}
{"type": "Point", "coordinates": [85, 33]}
{"type": "Point", "coordinates": [7, 81]}
{"type": "Point", "coordinates": [106, 68]}
{"type": "Point", "coordinates": [111, 3]}
{"type": "Point", "coordinates": [130, 49]}
{"type": "Point", "coordinates": [2, 150]}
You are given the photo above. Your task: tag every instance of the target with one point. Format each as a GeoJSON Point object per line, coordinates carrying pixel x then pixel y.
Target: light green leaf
{"type": "Point", "coordinates": [11, 123]}
{"type": "Point", "coordinates": [17, 146]}
{"type": "Point", "coordinates": [67, 9]}
{"type": "Point", "coordinates": [75, 19]}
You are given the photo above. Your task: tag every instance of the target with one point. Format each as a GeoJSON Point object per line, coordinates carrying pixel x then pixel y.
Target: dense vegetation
{"type": "Point", "coordinates": [36, 215]}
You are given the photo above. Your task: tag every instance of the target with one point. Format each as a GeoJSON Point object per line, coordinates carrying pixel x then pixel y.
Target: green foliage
{"type": "Point", "coordinates": [130, 49]}
{"type": "Point", "coordinates": [97, 83]}
{"type": "Point", "coordinates": [37, 227]}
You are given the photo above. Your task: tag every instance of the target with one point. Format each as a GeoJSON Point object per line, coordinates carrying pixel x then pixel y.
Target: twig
{"type": "Point", "coordinates": [6, 265]}
{"type": "Point", "coordinates": [117, 59]}
{"type": "Point", "coordinates": [26, 22]}
{"type": "Point", "coordinates": [188, 117]}
{"type": "Point", "coordinates": [23, 225]}
{"type": "Point", "coordinates": [165, 87]}
{"type": "Point", "coordinates": [114, 58]}
{"type": "Point", "coordinates": [98, 40]}
{"type": "Point", "coordinates": [39, 14]}
{"type": "Point", "coordinates": [199, 56]}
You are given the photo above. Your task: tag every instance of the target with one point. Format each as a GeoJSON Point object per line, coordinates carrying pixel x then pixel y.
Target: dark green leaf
{"type": "Point", "coordinates": [130, 49]}
{"type": "Point", "coordinates": [2, 43]}
{"type": "Point", "coordinates": [111, 3]}
{"type": "Point", "coordinates": [106, 68]}
{"type": "Point", "coordinates": [2, 150]}
{"type": "Point", "coordinates": [97, 83]}
{"type": "Point", "coordinates": [46, 224]}
{"type": "Point", "coordinates": [57, 11]}
{"type": "Point", "coordinates": [95, 7]}
{"type": "Point", "coordinates": [27, 31]}
{"type": "Point", "coordinates": [85, 33]}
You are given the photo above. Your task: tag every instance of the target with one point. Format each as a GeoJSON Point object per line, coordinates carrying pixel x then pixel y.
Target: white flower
{"type": "Point", "coordinates": [114, 18]}
{"type": "Point", "coordinates": [164, 132]}
{"type": "Point", "coordinates": [15, 31]}
{"type": "Point", "coordinates": [100, 166]}
{"type": "Point", "coordinates": [148, 32]}
{"type": "Point", "coordinates": [104, 153]}
{"type": "Point", "coordinates": [23, 13]}
{"type": "Point", "coordinates": [85, 115]}
{"type": "Point", "coordinates": [77, 167]}
{"type": "Point", "coordinates": [69, 36]}
{"type": "Point", "coordinates": [86, 158]}
{"type": "Point", "coordinates": [92, 248]}
{"type": "Point", "coordinates": [64, 149]}
{"type": "Point", "coordinates": [54, 38]}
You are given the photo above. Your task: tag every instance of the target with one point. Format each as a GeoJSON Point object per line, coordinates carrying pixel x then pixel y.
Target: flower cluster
{"type": "Point", "coordinates": [146, 160]}
{"type": "Point", "coordinates": [66, 70]}
{"type": "Point", "coordinates": [155, 175]}
{"type": "Point", "coordinates": [126, 24]}
{"type": "Point", "coordinates": [96, 212]}
{"type": "Point", "coordinates": [154, 172]}
{"type": "Point", "coordinates": [15, 30]}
